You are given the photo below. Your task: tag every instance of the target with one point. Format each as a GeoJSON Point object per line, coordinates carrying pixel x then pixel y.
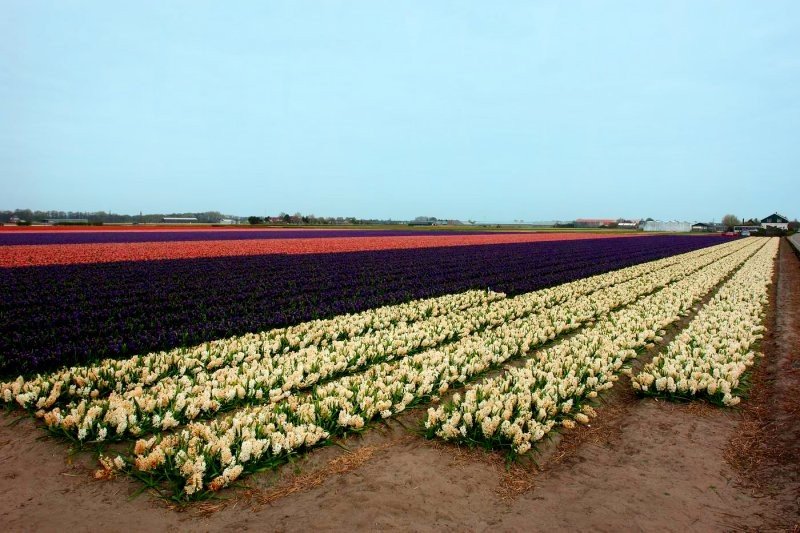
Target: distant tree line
{"type": "Point", "coordinates": [101, 217]}
{"type": "Point", "coordinates": [732, 220]}
{"type": "Point", "coordinates": [27, 216]}
{"type": "Point", "coordinates": [283, 219]}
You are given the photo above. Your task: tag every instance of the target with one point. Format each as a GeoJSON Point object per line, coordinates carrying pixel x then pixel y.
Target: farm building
{"type": "Point", "coordinates": [594, 222]}
{"type": "Point", "coordinates": [628, 224]}
{"type": "Point", "coordinates": [775, 221]}
{"type": "Point", "coordinates": [671, 225]}
{"type": "Point", "coordinates": [709, 227]}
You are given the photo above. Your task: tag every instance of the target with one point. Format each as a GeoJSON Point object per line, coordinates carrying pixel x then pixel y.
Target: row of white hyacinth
{"type": "Point", "coordinates": [121, 375]}
{"type": "Point", "coordinates": [556, 385]}
{"type": "Point", "coordinates": [709, 357]}
{"type": "Point", "coordinates": [173, 401]}
{"type": "Point", "coordinates": [129, 377]}
{"type": "Point", "coordinates": [209, 455]}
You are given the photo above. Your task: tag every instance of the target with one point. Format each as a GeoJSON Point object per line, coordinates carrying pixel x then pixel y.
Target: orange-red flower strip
{"type": "Point", "coordinates": [58, 254]}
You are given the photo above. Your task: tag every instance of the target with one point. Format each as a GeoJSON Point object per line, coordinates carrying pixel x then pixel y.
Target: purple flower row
{"type": "Point", "coordinates": [127, 236]}
{"type": "Point", "coordinates": [63, 315]}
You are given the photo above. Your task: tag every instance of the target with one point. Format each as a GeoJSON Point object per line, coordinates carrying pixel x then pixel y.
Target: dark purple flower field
{"type": "Point", "coordinates": [63, 315]}
{"type": "Point", "coordinates": [96, 236]}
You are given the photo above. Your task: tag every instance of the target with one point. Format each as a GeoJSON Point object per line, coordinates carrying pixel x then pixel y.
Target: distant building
{"type": "Point", "coordinates": [228, 222]}
{"type": "Point", "coordinates": [709, 227]}
{"type": "Point", "coordinates": [594, 222]}
{"type": "Point", "coordinates": [746, 229]}
{"type": "Point", "coordinates": [671, 226]}
{"type": "Point", "coordinates": [775, 221]}
{"type": "Point", "coordinates": [424, 221]}
{"type": "Point", "coordinates": [628, 224]}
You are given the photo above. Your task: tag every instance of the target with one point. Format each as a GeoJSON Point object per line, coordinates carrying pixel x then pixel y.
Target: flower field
{"type": "Point", "coordinates": [557, 384]}
{"type": "Point", "coordinates": [113, 234]}
{"type": "Point", "coordinates": [178, 245]}
{"type": "Point", "coordinates": [69, 314]}
{"type": "Point", "coordinates": [710, 356]}
{"type": "Point", "coordinates": [237, 363]}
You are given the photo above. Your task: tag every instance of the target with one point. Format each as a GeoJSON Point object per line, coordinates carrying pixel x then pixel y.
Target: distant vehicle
{"type": "Point", "coordinates": [751, 229]}
{"type": "Point", "coordinates": [745, 233]}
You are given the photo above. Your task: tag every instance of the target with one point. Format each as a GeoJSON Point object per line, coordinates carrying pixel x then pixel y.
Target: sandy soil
{"type": "Point", "coordinates": [642, 465]}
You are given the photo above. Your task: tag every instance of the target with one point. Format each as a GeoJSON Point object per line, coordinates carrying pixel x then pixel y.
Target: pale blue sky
{"type": "Point", "coordinates": [483, 110]}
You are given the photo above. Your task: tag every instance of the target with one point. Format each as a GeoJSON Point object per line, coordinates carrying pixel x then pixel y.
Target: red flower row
{"type": "Point", "coordinates": [59, 254]}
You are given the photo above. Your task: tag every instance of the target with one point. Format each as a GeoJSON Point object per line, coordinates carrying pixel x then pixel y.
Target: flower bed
{"type": "Point", "coordinates": [710, 356]}
{"type": "Point", "coordinates": [67, 315]}
{"type": "Point", "coordinates": [163, 390]}
{"type": "Point", "coordinates": [516, 409]}
{"type": "Point", "coordinates": [51, 236]}
{"type": "Point", "coordinates": [29, 255]}
{"type": "Point", "coordinates": [207, 456]}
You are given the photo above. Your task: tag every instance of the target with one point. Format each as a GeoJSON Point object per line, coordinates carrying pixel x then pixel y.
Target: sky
{"type": "Point", "coordinates": [513, 110]}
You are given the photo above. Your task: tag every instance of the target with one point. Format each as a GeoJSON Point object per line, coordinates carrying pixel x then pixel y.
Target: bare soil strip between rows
{"type": "Point", "coordinates": [765, 449]}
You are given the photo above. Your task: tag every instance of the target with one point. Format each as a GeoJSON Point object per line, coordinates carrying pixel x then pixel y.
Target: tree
{"type": "Point", "coordinates": [730, 220]}
{"type": "Point", "coordinates": [255, 220]}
